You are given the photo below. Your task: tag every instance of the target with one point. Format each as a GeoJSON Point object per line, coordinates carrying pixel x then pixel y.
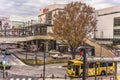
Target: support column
{"type": "Point", "coordinates": [84, 64]}
{"type": "Point", "coordinates": [47, 46]}
{"type": "Point", "coordinates": [115, 70]}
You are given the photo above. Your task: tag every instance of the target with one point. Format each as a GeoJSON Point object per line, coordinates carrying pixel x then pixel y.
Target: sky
{"type": "Point", "coordinates": [30, 8]}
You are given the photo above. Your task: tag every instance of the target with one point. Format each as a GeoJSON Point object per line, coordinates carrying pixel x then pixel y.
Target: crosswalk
{"type": "Point", "coordinates": [20, 79]}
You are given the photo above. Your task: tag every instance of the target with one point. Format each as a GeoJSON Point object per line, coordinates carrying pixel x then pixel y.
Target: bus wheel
{"type": "Point", "coordinates": [103, 73]}
{"type": "Point", "coordinates": [81, 75]}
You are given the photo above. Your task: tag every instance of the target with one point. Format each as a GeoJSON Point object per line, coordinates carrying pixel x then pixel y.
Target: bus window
{"type": "Point", "coordinates": [77, 70]}
{"type": "Point", "coordinates": [110, 64]}
{"type": "Point", "coordinates": [102, 64]}
{"type": "Point", "coordinates": [91, 65]}
{"type": "Point", "coordinates": [70, 65]}
{"type": "Point", "coordinates": [74, 67]}
{"type": "Point", "coordinates": [81, 66]}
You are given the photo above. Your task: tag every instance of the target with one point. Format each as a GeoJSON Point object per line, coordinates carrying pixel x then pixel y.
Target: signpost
{"type": "Point", "coordinates": [4, 60]}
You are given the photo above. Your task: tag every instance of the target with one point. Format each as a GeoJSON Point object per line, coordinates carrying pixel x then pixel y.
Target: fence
{"type": "Point", "coordinates": [70, 78]}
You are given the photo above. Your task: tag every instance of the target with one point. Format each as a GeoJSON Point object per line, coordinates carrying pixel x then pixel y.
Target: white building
{"type": "Point", "coordinates": [108, 25]}
{"type": "Point", "coordinates": [108, 21]}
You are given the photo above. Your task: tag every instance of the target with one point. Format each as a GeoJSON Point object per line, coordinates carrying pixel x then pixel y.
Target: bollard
{"type": "Point", "coordinates": [52, 76]}
{"type": "Point", "coordinates": [65, 76]}
{"type": "Point", "coordinates": [111, 78]}
{"type": "Point", "coordinates": [99, 78]}
{"type": "Point", "coordinates": [41, 76]}
{"type": "Point", "coordinates": [3, 74]}
{"type": "Point", "coordinates": [6, 73]}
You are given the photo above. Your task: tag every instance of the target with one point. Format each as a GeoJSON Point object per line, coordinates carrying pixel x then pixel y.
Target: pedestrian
{"type": "Point", "coordinates": [81, 52]}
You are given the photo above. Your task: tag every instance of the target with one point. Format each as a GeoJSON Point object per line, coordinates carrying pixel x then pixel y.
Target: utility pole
{"type": "Point", "coordinates": [44, 60]}
{"type": "Point", "coordinates": [84, 63]}
{"type": "Point", "coordinates": [26, 49]}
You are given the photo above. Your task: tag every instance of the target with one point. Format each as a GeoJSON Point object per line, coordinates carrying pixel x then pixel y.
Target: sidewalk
{"type": "Point", "coordinates": [89, 78]}
{"type": "Point", "coordinates": [74, 79]}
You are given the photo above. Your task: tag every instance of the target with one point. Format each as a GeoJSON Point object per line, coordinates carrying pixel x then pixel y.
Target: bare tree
{"type": "Point", "coordinates": [73, 24]}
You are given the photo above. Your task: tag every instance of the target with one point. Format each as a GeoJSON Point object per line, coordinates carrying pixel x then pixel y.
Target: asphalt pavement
{"type": "Point", "coordinates": [21, 71]}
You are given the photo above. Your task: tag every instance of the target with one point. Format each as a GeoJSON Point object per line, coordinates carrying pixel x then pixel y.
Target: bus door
{"type": "Point", "coordinates": [96, 68]}
{"type": "Point", "coordinates": [77, 70]}
{"type": "Point", "coordinates": [92, 69]}
{"type": "Point", "coordinates": [73, 71]}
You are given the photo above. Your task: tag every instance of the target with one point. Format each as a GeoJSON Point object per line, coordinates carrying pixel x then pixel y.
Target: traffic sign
{"type": "Point", "coordinates": [4, 60]}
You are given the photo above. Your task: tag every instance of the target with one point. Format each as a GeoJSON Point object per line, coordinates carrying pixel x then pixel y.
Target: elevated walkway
{"type": "Point", "coordinates": [99, 50]}
{"type": "Point", "coordinates": [21, 39]}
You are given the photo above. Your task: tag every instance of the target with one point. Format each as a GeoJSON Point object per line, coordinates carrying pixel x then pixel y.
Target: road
{"type": "Point", "coordinates": [21, 70]}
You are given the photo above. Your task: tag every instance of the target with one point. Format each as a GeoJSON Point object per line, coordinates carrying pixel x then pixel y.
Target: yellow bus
{"type": "Point", "coordinates": [75, 68]}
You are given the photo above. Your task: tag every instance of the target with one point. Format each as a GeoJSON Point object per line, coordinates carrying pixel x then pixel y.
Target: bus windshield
{"type": "Point", "coordinates": [70, 65]}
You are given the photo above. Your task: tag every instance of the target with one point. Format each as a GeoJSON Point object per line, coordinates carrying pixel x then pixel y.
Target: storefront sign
{"type": "Point", "coordinates": [45, 10]}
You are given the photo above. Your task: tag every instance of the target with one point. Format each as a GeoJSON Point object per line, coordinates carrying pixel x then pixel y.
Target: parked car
{"type": "Point", "coordinates": [3, 51]}
{"type": "Point", "coordinates": [52, 52]}
{"type": "Point", "coordinates": [59, 56]}
{"type": "Point", "coordinates": [7, 52]}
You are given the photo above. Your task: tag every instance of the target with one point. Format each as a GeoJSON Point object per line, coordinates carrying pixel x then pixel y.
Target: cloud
{"type": "Point", "coordinates": [31, 7]}
{"type": "Point", "coordinates": [112, 2]}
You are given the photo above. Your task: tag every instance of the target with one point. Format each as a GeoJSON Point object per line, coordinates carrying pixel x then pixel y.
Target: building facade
{"type": "Point", "coordinates": [46, 15]}
{"type": "Point", "coordinates": [108, 24]}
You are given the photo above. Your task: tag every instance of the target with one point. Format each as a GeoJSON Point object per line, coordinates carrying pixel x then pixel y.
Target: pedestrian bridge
{"type": "Point", "coordinates": [99, 50]}
{"type": "Point", "coordinates": [22, 39]}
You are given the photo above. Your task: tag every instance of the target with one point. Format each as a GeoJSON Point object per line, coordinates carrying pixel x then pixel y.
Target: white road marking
{"type": "Point", "coordinates": [23, 78]}
{"type": "Point", "coordinates": [11, 79]}
{"type": "Point", "coordinates": [18, 79]}
{"type": "Point", "coordinates": [29, 78]}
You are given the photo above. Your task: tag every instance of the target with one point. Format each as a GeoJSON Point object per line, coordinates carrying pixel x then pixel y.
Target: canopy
{"type": "Point", "coordinates": [103, 59]}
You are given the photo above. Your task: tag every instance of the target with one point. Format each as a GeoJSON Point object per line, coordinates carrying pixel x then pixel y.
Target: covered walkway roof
{"type": "Point", "coordinates": [103, 59]}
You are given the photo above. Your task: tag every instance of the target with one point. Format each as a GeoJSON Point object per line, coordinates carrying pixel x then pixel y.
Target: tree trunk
{"type": "Point", "coordinates": [73, 53]}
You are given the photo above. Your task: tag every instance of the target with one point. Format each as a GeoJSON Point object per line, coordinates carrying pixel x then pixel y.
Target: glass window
{"type": "Point", "coordinates": [91, 65]}
{"type": "Point", "coordinates": [110, 64]}
{"type": "Point", "coordinates": [49, 18]}
{"type": "Point", "coordinates": [117, 21]}
{"type": "Point", "coordinates": [70, 65]}
{"type": "Point", "coordinates": [74, 67]}
{"type": "Point", "coordinates": [102, 64]}
{"type": "Point", "coordinates": [43, 30]}
{"type": "Point", "coordinates": [117, 32]}
{"type": "Point", "coordinates": [81, 66]}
